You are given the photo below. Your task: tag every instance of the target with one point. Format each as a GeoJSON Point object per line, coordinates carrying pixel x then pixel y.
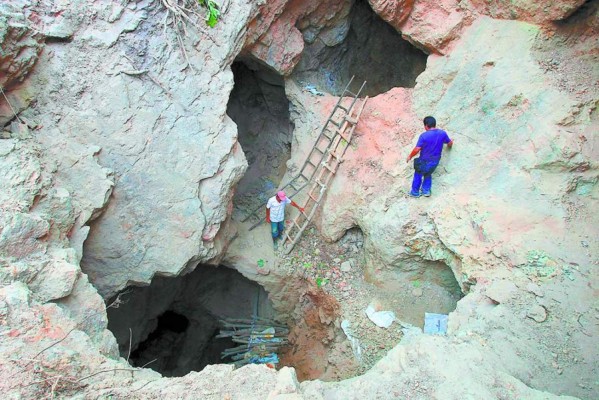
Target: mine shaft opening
{"type": "Point", "coordinates": [371, 50]}
{"type": "Point", "coordinates": [418, 287]}
{"type": "Point", "coordinates": [260, 108]}
{"type": "Point", "coordinates": [174, 325]}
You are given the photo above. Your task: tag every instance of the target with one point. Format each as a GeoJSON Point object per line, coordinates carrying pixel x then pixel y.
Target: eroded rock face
{"type": "Point", "coordinates": [164, 140]}
{"type": "Point", "coordinates": [279, 43]}
{"type": "Point", "coordinates": [21, 45]}
{"type": "Point", "coordinates": [394, 12]}
{"type": "Point", "coordinates": [537, 11]}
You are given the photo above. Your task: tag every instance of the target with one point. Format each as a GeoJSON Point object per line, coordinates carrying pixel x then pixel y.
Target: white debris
{"type": "Point", "coordinates": [382, 319]}
{"type": "Point", "coordinates": [355, 343]}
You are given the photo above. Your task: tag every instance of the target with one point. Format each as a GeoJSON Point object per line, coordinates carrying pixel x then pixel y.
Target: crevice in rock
{"type": "Point", "coordinates": [372, 51]}
{"type": "Point", "coordinates": [58, 39]}
{"type": "Point", "coordinates": [174, 321]}
{"type": "Point", "coordinates": [260, 108]}
{"type": "Point", "coordinates": [587, 10]}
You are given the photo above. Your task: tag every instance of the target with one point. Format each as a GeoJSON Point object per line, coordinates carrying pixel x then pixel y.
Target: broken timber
{"type": "Point", "coordinates": [321, 164]}
{"type": "Point", "coordinates": [260, 340]}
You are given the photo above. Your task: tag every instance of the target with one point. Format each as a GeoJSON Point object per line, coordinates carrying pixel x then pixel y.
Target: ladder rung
{"type": "Point", "coordinates": [352, 93]}
{"type": "Point", "coordinates": [343, 108]}
{"type": "Point", "coordinates": [332, 133]}
{"type": "Point", "coordinates": [343, 135]}
{"type": "Point", "coordinates": [320, 151]}
{"type": "Point", "coordinates": [318, 182]}
{"type": "Point", "coordinates": [337, 156]}
{"type": "Point", "coordinates": [327, 166]}
{"type": "Point", "coordinates": [313, 198]}
{"type": "Point", "coordinates": [351, 120]}
{"type": "Point", "coordinates": [338, 125]}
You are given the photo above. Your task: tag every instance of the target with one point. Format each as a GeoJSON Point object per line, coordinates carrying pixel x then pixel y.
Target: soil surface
{"type": "Point", "coordinates": [336, 270]}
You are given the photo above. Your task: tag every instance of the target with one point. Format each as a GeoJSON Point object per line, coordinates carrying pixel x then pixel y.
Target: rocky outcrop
{"type": "Point", "coordinates": [278, 33]}
{"type": "Point", "coordinates": [138, 119]}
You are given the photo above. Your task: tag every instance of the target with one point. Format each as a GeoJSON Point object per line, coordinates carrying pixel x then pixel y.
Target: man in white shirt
{"type": "Point", "coordinates": [275, 214]}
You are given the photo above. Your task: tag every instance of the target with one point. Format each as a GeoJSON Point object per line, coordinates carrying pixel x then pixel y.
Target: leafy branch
{"type": "Point", "coordinates": [213, 12]}
{"type": "Point", "coordinates": [181, 13]}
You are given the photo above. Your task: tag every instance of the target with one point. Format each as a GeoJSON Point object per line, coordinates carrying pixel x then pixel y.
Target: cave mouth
{"type": "Point", "coordinates": [260, 108]}
{"type": "Point", "coordinates": [371, 50]}
{"type": "Point", "coordinates": [172, 325]}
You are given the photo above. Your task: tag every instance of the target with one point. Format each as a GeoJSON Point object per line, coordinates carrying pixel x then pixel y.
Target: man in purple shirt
{"type": "Point", "coordinates": [430, 146]}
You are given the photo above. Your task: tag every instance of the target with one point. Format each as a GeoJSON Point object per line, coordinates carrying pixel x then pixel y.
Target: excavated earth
{"type": "Point", "coordinates": [133, 145]}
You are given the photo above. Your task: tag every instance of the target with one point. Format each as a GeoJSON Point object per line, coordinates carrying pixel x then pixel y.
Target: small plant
{"type": "Point", "coordinates": [416, 283]}
{"type": "Point", "coordinates": [260, 263]}
{"type": "Point", "coordinates": [320, 281]}
{"type": "Point", "coordinates": [307, 265]}
{"type": "Point", "coordinates": [213, 12]}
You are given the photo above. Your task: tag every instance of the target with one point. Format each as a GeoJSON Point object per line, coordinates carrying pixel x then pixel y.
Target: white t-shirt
{"type": "Point", "coordinates": [277, 210]}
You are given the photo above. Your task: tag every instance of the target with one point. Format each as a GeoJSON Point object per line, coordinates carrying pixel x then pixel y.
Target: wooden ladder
{"type": "Point", "coordinates": [321, 164]}
{"type": "Point", "coordinates": [325, 158]}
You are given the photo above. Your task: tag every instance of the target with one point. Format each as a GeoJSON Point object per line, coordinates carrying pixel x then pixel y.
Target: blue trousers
{"type": "Point", "coordinates": [276, 229]}
{"type": "Point", "coordinates": [423, 175]}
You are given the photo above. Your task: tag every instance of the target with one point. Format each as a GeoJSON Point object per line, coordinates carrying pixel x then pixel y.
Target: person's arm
{"type": "Point", "coordinates": [267, 214]}
{"type": "Point", "coordinates": [413, 153]}
{"type": "Point", "coordinates": [448, 141]}
{"type": "Point", "coordinates": [294, 204]}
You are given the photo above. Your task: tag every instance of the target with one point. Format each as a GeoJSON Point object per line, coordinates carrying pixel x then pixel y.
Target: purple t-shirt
{"type": "Point", "coordinates": [431, 143]}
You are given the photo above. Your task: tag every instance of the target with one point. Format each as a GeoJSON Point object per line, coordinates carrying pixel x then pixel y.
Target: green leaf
{"type": "Point", "coordinates": [212, 18]}
{"type": "Point", "coordinates": [213, 13]}
{"type": "Point", "coordinates": [260, 263]}
{"type": "Point", "coordinates": [320, 281]}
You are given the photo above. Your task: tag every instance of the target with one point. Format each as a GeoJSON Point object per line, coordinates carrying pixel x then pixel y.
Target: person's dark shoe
{"type": "Point", "coordinates": [275, 245]}
{"type": "Point", "coordinates": [426, 194]}
{"type": "Point", "coordinates": [414, 194]}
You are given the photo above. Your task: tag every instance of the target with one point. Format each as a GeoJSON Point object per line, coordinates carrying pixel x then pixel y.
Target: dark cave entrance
{"type": "Point", "coordinates": [172, 325]}
{"type": "Point", "coordinates": [260, 108]}
{"type": "Point", "coordinates": [372, 50]}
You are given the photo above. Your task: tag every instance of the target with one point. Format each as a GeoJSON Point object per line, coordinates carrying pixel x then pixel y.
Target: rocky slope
{"type": "Point", "coordinates": [120, 163]}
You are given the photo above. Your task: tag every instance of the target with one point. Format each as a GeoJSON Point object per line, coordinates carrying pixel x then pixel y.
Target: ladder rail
{"type": "Point", "coordinates": [329, 119]}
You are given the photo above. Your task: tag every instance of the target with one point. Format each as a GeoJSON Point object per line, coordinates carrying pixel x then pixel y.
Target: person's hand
{"type": "Point", "coordinates": [408, 159]}
{"type": "Point", "coordinates": [301, 209]}
{"type": "Point", "coordinates": [268, 220]}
